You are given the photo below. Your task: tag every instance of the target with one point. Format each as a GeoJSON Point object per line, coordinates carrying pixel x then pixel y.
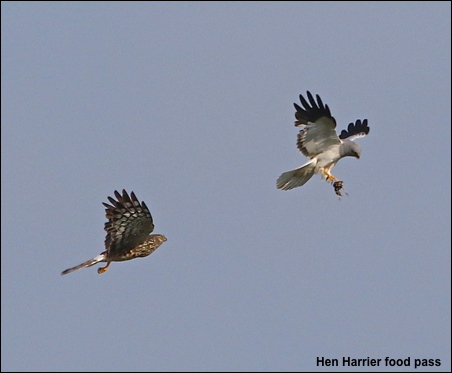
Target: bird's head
{"type": "Point", "coordinates": [156, 239]}
{"type": "Point", "coordinates": [161, 238]}
{"type": "Point", "coordinates": [350, 149]}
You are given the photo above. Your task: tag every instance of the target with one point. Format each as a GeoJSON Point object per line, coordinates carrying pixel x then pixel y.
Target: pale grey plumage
{"type": "Point", "coordinates": [319, 141]}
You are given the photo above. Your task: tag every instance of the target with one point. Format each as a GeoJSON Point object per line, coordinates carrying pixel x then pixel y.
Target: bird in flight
{"type": "Point", "coordinates": [128, 232]}
{"type": "Point", "coordinates": [319, 141]}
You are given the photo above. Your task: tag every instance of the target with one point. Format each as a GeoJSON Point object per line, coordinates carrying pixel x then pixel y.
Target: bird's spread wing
{"type": "Point", "coordinates": [355, 131]}
{"type": "Point", "coordinates": [319, 133]}
{"type": "Point", "coordinates": [129, 223]}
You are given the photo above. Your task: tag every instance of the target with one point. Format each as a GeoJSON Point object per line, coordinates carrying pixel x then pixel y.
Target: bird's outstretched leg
{"type": "Point", "coordinates": [101, 270]}
{"type": "Point", "coordinates": [330, 178]}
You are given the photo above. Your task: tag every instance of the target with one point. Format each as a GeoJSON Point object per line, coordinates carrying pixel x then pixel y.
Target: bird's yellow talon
{"type": "Point", "coordinates": [331, 179]}
{"type": "Point", "coordinates": [101, 270]}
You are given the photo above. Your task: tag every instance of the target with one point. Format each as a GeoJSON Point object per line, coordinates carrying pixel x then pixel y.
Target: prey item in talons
{"type": "Point", "coordinates": [338, 186]}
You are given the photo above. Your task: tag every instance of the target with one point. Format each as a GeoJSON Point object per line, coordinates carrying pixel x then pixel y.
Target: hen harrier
{"type": "Point", "coordinates": [318, 141]}
{"type": "Point", "coordinates": [128, 232]}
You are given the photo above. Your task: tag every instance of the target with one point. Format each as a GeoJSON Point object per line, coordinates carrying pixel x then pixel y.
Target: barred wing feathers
{"type": "Point", "coordinates": [129, 223]}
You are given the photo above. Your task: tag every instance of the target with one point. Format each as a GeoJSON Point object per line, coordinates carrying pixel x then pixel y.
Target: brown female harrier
{"type": "Point", "coordinates": [128, 232]}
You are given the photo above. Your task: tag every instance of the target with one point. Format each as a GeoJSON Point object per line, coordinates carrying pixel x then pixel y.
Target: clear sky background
{"type": "Point", "coordinates": [190, 105]}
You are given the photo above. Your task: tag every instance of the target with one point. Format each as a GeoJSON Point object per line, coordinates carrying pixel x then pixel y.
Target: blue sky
{"type": "Point", "coordinates": [190, 105]}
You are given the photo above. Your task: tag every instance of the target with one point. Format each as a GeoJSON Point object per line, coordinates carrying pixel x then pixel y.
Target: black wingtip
{"type": "Point", "coordinates": [311, 109]}
{"type": "Point", "coordinates": [357, 128]}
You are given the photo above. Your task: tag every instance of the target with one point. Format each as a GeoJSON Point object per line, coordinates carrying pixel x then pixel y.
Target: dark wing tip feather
{"type": "Point", "coordinates": [319, 102]}
{"type": "Point", "coordinates": [312, 110]}
{"type": "Point", "coordinates": [328, 111]}
{"type": "Point", "coordinates": [125, 197]}
{"type": "Point", "coordinates": [304, 103]}
{"type": "Point", "coordinates": [119, 203]}
{"type": "Point", "coordinates": [144, 206]}
{"type": "Point", "coordinates": [312, 101]}
{"type": "Point", "coordinates": [355, 129]}
{"type": "Point", "coordinates": [112, 200]}
{"type": "Point", "coordinates": [117, 195]}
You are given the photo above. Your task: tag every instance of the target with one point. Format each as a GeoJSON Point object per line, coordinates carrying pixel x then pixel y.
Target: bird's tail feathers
{"type": "Point", "coordinates": [296, 178]}
{"type": "Point", "coordinates": [88, 263]}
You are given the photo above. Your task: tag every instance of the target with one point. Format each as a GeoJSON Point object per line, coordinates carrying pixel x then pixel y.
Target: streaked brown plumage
{"type": "Point", "coordinates": [128, 232]}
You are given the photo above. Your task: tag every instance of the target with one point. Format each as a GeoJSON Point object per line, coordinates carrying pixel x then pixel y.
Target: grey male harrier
{"type": "Point", "coordinates": [128, 232]}
{"type": "Point", "coordinates": [319, 141]}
